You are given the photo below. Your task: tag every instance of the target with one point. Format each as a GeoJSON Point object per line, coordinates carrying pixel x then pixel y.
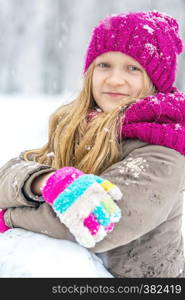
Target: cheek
{"type": "Point", "coordinates": [97, 81]}
{"type": "Point", "coordinates": [95, 88]}
{"type": "Point", "coordinates": [138, 84]}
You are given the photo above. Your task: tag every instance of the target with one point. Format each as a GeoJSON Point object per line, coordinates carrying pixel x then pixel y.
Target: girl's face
{"type": "Point", "coordinates": [115, 77]}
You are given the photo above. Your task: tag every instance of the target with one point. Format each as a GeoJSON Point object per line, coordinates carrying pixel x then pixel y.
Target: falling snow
{"type": "Point", "coordinates": [155, 100]}
{"type": "Point", "coordinates": [15, 244]}
{"type": "Point", "coordinates": [177, 126]}
{"type": "Point", "coordinates": [50, 154]}
{"type": "Point", "coordinates": [98, 109]}
{"type": "Point", "coordinates": [148, 28]}
{"type": "Point", "coordinates": [88, 147]}
{"type": "Point", "coordinates": [106, 129]}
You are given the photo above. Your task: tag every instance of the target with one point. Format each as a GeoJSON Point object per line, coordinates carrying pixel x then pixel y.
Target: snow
{"type": "Point", "coordinates": [23, 123]}
{"type": "Point", "coordinates": [27, 254]}
{"type": "Point", "coordinates": [151, 48]}
{"type": "Point", "coordinates": [148, 28]}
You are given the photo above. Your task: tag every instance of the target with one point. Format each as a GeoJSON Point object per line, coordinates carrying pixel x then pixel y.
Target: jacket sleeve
{"type": "Point", "coordinates": [150, 178]}
{"type": "Point", "coordinates": [14, 176]}
{"type": "Point", "coordinates": [24, 209]}
{"type": "Point", "coordinates": [41, 219]}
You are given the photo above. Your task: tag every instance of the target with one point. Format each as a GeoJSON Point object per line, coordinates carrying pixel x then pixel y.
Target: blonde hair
{"type": "Point", "coordinates": [91, 149]}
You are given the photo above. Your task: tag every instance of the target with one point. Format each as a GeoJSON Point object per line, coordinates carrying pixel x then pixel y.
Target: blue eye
{"type": "Point", "coordinates": [133, 68]}
{"type": "Point", "coordinates": [103, 65]}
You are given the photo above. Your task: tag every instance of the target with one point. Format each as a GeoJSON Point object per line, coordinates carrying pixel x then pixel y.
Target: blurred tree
{"type": "Point", "coordinates": [57, 26]}
{"type": "Point", "coordinates": [43, 43]}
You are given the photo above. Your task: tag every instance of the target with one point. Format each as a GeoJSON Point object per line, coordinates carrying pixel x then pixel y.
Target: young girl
{"type": "Point", "coordinates": [112, 174]}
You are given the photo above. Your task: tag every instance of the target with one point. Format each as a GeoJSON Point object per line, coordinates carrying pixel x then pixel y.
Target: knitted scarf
{"type": "Point", "coordinates": [158, 119]}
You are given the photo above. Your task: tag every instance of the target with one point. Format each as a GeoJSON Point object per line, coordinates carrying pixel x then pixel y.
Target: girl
{"type": "Point", "coordinates": [112, 174]}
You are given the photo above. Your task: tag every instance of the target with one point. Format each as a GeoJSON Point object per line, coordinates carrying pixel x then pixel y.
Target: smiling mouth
{"type": "Point", "coordinates": [115, 94]}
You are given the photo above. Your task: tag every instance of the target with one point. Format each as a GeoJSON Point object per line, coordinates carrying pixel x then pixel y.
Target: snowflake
{"type": "Point", "coordinates": [155, 100]}
{"type": "Point", "coordinates": [148, 28]}
{"type": "Point", "coordinates": [73, 176]}
{"type": "Point", "coordinates": [98, 109]}
{"type": "Point", "coordinates": [150, 47]}
{"type": "Point", "coordinates": [177, 126]}
{"type": "Point", "coordinates": [88, 147]}
{"type": "Point", "coordinates": [168, 57]}
{"type": "Point", "coordinates": [133, 166]}
{"type": "Point", "coordinates": [107, 23]}
{"type": "Point", "coordinates": [50, 154]}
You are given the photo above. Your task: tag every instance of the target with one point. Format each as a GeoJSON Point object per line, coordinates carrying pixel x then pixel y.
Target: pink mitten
{"type": "Point", "coordinates": [84, 203]}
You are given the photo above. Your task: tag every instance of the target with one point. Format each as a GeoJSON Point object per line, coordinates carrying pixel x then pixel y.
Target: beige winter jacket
{"type": "Point", "coordinates": [147, 242]}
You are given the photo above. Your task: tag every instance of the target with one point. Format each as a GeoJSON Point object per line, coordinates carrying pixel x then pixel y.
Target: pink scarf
{"type": "Point", "coordinates": [157, 119]}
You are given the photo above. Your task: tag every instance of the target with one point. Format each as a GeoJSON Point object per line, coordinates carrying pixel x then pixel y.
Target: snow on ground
{"type": "Point", "coordinates": [23, 126]}
{"type": "Point", "coordinates": [27, 254]}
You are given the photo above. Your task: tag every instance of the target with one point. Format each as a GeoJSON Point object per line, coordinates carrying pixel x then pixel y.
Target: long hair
{"type": "Point", "coordinates": [92, 147]}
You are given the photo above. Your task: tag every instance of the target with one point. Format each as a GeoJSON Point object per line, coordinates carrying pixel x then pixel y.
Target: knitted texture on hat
{"type": "Point", "coordinates": [157, 119]}
{"type": "Point", "coordinates": [152, 38]}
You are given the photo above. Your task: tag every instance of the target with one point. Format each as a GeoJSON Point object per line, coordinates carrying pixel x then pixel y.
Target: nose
{"type": "Point", "coordinates": [116, 77]}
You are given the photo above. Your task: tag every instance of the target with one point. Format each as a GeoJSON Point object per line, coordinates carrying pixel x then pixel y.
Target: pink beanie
{"type": "Point", "coordinates": [152, 38]}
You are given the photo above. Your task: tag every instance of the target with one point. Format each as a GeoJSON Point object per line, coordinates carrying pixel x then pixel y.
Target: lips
{"type": "Point", "coordinates": [115, 94]}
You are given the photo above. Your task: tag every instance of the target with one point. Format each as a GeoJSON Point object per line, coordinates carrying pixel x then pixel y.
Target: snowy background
{"type": "Point", "coordinates": [42, 46]}
{"type": "Point", "coordinates": [43, 42]}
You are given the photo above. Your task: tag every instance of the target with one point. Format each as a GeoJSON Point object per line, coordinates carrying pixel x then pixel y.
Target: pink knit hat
{"type": "Point", "coordinates": [152, 38]}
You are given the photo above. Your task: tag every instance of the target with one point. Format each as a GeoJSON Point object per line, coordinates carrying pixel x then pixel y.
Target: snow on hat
{"type": "Point", "coordinates": [152, 38]}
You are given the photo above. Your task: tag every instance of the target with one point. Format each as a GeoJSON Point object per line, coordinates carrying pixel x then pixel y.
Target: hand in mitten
{"type": "Point", "coordinates": [84, 203]}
